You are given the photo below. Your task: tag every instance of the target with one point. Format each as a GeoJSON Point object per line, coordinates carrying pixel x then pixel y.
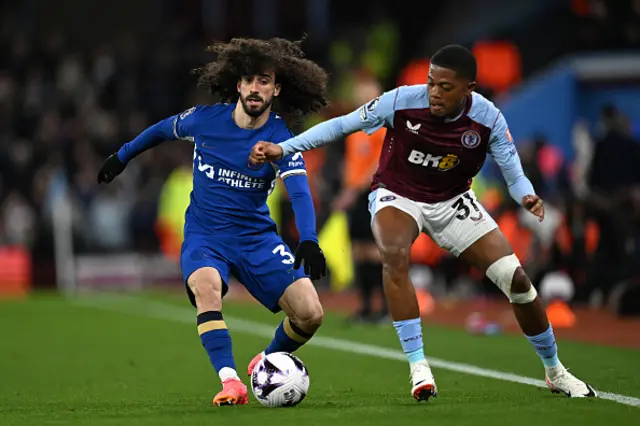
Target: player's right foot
{"type": "Point", "coordinates": [233, 392]}
{"type": "Point", "coordinates": [560, 380]}
{"type": "Point", "coordinates": [256, 359]}
{"type": "Point", "coordinates": [424, 384]}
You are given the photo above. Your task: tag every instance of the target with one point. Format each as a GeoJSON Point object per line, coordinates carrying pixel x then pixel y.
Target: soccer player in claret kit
{"type": "Point", "coordinates": [227, 228]}
{"type": "Point", "coordinates": [437, 139]}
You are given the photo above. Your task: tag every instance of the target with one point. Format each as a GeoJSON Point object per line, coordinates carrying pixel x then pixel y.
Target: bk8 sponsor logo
{"type": "Point", "coordinates": [438, 162]}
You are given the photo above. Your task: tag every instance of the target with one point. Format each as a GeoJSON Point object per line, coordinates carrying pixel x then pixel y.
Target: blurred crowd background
{"type": "Point", "coordinates": [79, 79]}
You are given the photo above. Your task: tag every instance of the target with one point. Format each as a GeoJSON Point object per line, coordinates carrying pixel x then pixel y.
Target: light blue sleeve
{"type": "Point", "coordinates": [504, 152]}
{"type": "Point", "coordinates": [369, 117]}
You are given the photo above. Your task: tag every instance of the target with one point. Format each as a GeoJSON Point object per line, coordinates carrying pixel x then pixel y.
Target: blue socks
{"type": "Point", "coordinates": [288, 338]}
{"type": "Point", "coordinates": [545, 345]}
{"type": "Point", "coordinates": [217, 342]}
{"type": "Point", "coordinates": [410, 335]}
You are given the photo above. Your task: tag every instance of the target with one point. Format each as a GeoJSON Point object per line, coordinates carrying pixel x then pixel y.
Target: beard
{"type": "Point", "coordinates": [255, 111]}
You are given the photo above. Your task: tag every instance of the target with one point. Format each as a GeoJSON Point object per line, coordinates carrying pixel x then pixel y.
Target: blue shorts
{"type": "Point", "coordinates": [262, 263]}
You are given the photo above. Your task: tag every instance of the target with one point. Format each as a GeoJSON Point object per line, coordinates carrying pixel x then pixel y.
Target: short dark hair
{"type": "Point", "coordinates": [304, 83]}
{"type": "Point", "coordinates": [456, 58]}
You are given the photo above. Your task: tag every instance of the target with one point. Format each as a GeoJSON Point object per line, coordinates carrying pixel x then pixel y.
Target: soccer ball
{"type": "Point", "coordinates": [280, 379]}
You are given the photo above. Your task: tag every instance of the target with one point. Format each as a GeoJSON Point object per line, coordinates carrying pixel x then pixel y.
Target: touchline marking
{"type": "Point", "coordinates": [159, 310]}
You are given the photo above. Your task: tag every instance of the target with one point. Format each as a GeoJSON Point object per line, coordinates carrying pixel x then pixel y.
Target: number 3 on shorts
{"type": "Point", "coordinates": [463, 209]}
{"type": "Point", "coordinates": [288, 257]}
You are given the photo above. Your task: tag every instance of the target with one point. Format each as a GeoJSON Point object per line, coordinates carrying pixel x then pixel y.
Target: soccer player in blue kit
{"type": "Point", "coordinates": [227, 228]}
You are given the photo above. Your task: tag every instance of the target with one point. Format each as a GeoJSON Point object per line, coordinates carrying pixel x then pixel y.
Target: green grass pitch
{"type": "Point", "coordinates": [137, 360]}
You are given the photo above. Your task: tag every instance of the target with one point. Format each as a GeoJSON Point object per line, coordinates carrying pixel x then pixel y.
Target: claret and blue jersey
{"type": "Point", "coordinates": [426, 158]}
{"type": "Point", "coordinates": [227, 223]}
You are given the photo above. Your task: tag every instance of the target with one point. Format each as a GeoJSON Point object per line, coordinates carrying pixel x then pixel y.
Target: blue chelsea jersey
{"type": "Point", "coordinates": [229, 193]}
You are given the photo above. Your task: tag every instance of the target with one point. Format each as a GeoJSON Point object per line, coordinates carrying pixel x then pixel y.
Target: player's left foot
{"type": "Point", "coordinates": [560, 380]}
{"type": "Point", "coordinates": [233, 392]}
{"type": "Point", "coordinates": [256, 359]}
{"type": "Point", "coordinates": [424, 385]}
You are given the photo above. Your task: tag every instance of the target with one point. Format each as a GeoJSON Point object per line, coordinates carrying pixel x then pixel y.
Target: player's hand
{"type": "Point", "coordinates": [265, 151]}
{"type": "Point", "coordinates": [111, 168]}
{"type": "Point", "coordinates": [534, 204]}
{"type": "Point", "coordinates": [315, 264]}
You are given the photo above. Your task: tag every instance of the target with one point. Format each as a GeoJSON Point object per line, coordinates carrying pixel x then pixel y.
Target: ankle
{"type": "Point", "coordinates": [555, 369]}
{"type": "Point", "coordinates": [228, 373]}
{"type": "Point", "coordinates": [416, 357]}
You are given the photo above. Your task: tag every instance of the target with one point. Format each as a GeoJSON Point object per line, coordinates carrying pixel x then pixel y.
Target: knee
{"type": "Point", "coordinates": [301, 303]}
{"type": "Point", "coordinates": [396, 257]}
{"type": "Point", "coordinates": [311, 316]}
{"type": "Point", "coordinates": [508, 275]}
{"type": "Point", "coordinates": [207, 290]}
{"type": "Point", "coordinates": [520, 282]}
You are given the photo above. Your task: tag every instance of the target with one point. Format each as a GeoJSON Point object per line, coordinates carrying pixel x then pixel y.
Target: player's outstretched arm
{"type": "Point", "coordinates": [150, 137]}
{"type": "Point", "coordinates": [316, 136]}
{"type": "Point", "coordinates": [504, 152]}
{"type": "Point", "coordinates": [176, 127]}
{"type": "Point", "coordinates": [369, 117]}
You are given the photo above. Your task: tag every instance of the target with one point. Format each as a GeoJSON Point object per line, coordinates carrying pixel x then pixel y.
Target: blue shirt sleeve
{"type": "Point", "coordinates": [291, 164]}
{"type": "Point", "coordinates": [302, 204]}
{"type": "Point", "coordinates": [369, 117]}
{"type": "Point", "coordinates": [184, 124]}
{"type": "Point", "coordinates": [292, 170]}
{"type": "Point", "coordinates": [180, 126]}
{"type": "Point", "coordinates": [504, 152]}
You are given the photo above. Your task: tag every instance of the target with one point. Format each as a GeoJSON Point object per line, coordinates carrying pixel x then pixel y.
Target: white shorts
{"type": "Point", "coordinates": [454, 224]}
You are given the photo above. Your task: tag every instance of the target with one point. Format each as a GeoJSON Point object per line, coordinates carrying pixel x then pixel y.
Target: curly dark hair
{"type": "Point", "coordinates": [304, 83]}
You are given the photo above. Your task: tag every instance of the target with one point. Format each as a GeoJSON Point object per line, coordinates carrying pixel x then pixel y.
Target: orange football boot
{"type": "Point", "coordinates": [233, 392]}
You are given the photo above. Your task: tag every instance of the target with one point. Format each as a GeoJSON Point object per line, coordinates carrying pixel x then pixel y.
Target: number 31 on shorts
{"type": "Point", "coordinates": [463, 209]}
{"type": "Point", "coordinates": [282, 251]}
